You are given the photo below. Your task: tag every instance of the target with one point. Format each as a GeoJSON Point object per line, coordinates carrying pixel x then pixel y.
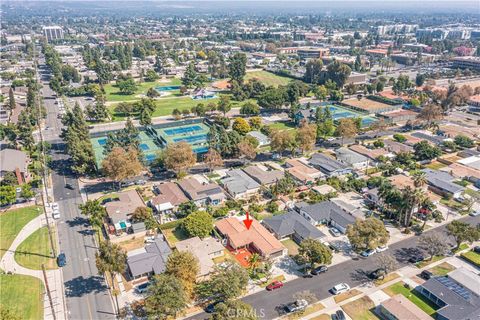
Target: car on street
{"type": "Point", "coordinates": [69, 186]}
{"type": "Point", "coordinates": [56, 214]}
{"type": "Point", "coordinates": [475, 213]}
{"type": "Point", "coordinates": [61, 260]}
{"type": "Point", "coordinates": [318, 270]}
{"type": "Point", "coordinates": [382, 248]}
{"type": "Point", "coordinates": [274, 285]}
{"type": "Point", "coordinates": [334, 232]}
{"type": "Point", "coordinates": [54, 206]}
{"type": "Point", "coordinates": [340, 315]}
{"type": "Point", "coordinates": [368, 253]}
{"type": "Point", "coordinates": [340, 288]}
{"type": "Point", "coordinates": [476, 249]}
{"type": "Point", "coordinates": [416, 259]}
{"type": "Point", "coordinates": [211, 307]}
{"type": "Point", "coordinates": [425, 274]}
{"type": "Point", "coordinates": [296, 306]}
{"type": "Point", "coordinates": [141, 288]}
{"type": "Point", "coordinates": [377, 274]}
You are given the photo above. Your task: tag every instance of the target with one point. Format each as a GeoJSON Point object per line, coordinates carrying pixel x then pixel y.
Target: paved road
{"type": "Point", "coordinates": [268, 304]}
{"type": "Point", "coordinates": [87, 296]}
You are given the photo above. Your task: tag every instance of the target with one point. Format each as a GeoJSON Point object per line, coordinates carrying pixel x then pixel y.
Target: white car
{"type": "Point", "coordinates": [54, 206]}
{"type": "Point", "coordinates": [382, 248]}
{"type": "Point", "coordinates": [56, 215]}
{"type": "Point", "coordinates": [340, 288]}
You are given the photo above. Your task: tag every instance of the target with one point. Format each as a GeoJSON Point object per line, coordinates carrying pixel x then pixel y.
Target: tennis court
{"type": "Point", "coordinates": [182, 130]}
{"type": "Point", "coordinates": [195, 134]}
{"type": "Point", "coordinates": [339, 112]}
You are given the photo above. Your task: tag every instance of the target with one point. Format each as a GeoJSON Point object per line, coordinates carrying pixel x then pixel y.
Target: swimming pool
{"type": "Point", "coordinates": [167, 88]}
{"type": "Point", "coordinates": [182, 130]}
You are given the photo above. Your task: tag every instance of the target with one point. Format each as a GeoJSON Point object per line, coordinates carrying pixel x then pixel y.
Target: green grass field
{"type": "Point", "coordinates": [11, 222]}
{"type": "Point", "coordinates": [268, 78]}
{"type": "Point", "coordinates": [22, 295]}
{"type": "Point", "coordinates": [113, 94]}
{"type": "Point", "coordinates": [35, 251]}
{"type": "Point", "coordinates": [282, 125]}
{"type": "Point", "coordinates": [472, 257]}
{"type": "Point", "coordinates": [411, 295]}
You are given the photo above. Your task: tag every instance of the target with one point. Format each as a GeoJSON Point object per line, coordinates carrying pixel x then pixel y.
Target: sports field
{"type": "Point", "coordinates": [113, 94]}
{"type": "Point", "coordinates": [268, 78]}
{"type": "Point", "coordinates": [340, 113]}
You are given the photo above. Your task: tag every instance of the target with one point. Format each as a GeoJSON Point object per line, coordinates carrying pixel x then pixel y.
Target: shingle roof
{"type": "Point", "coordinates": [153, 258]}
{"type": "Point", "coordinates": [126, 204]}
{"type": "Point", "coordinates": [169, 192]}
{"type": "Point", "coordinates": [326, 163]}
{"type": "Point", "coordinates": [348, 156]}
{"type": "Point", "coordinates": [442, 180]}
{"type": "Point", "coordinates": [11, 159]}
{"type": "Point", "coordinates": [328, 210]}
{"type": "Point", "coordinates": [202, 249]}
{"type": "Point", "coordinates": [196, 191]}
{"type": "Point", "coordinates": [263, 176]}
{"type": "Point", "coordinates": [291, 222]}
{"type": "Point", "coordinates": [239, 182]}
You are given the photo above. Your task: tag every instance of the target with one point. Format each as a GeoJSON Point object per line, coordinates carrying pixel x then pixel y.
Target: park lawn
{"type": "Point", "coordinates": [113, 94]}
{"type": "Point", "coordinates": [346, 295]}
{"type": "Point", "coordinates": [35, 251]}
{"type": "Point", "coordinates": [442, 269]}
{"type": "Point", "coordinates": [22, 295]}
{"type": "Point", "coordinates": [360, 309]}
{"type": "Point", "coordinates": [282, 125]}
{"type": "Point", "coordinates": [268, 78]}
{"type": "Point", "coordinates": [174, 235]}
{"type": "Point", "coordinates": [472, 257]}
{"type": "Point", "coordinates": [412, 295]}
{"type": "Point", "coordinates": [291, 246]}
{"type": "Point", "coordinates": [11, 222]}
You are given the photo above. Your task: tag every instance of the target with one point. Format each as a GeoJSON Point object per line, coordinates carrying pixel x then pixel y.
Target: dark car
{"type": "Point", "coordinates": [319, 270]}
{"type": "Point", "coordinates": [377, 274]}
{"type": "Point", "coordinates": [416, 259]}
{"type": "Point", "coordinates": [69, 186]}
{"type": "Point", "coordinates": [476, 249]}
{"type": "Point", "coordinates": [211, 307]}
{"type": "Point", "coordinates": [62, 260]}
{"type": "Point", "coordinates": [142, 287]}
{"type": "Point", "coordinates": [274, 285]}
{"type": "Point", "coordinates": [425, 274]}
{"type": "Point", "coordinates": [340, 315]}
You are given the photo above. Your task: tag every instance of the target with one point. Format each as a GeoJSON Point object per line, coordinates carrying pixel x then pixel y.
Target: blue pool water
{"type": "Point", "coordinates": [201, 150]}
{"type": "Point", "coordinates": [123, 225]}
{"type": "Point", "coordinates": [167, 88]}
{"type": "Point", "coordinates": [102, 141]}
{"type": "Point", "coordinates": [149, 157]}
{"type": "Point", "coordinates": [182, 130]}
{"type": "Point", "coordinates": [144, 147]}
{"type": "Point", "coordinates": [191, 139]}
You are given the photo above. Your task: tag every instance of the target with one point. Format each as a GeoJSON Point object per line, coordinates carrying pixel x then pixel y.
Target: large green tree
{"type": "Point", "coordinates": [314, 252]}
{"type": "Point", "coordinates": [184, 266]}
{"type": "Point", "coordinates": [367, 234]}
{"type": "Point", "coordinates": [237, 67]}
{"type": "Point", "coordinates": [234, 310]}
{"type": "Point", "coordinates": [463, 232]}
{"type": "Point", "coordinates": [226, 282]}
{"type": "Point", "coordinates": [166, 297]}
{"type": "Point", "coordinates": [198, 224]}
{"type": "Point", "coordinates": [94, 211]}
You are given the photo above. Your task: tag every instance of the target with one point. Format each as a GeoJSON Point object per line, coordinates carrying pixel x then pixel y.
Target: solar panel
{"type": "Point", "coordinates": [455, 287]}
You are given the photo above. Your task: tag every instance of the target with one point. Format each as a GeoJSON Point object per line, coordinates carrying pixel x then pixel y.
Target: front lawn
{"type": "Point", "coordinates": [388, 277]}
{"type": "Point", "coordinates": [11, 222]}
{"type": "Point", "coordinates": [412, 295]}
{"type": "Point", "coordinates": [309, 310]}
{"type": "Point", "coordinates": [291, 246]}
{"type": "Point", "coordinates": [22, 295]}
{"type": "Point", "coordinates": [427, 262]}
{"type": "Point", "coordinates": [268, 78]}
{"type": "Point", "coordinates": [442, 269]}
{"type": "Point", "coordinates": [435, 165]}
{"type": "Point", "coordinates": [347, 295]}
{"type": "Point", "coordinates": [113, 93]}
{"type": "Point", "coordinates": [360, 309]}
{"type": "Point", "coordinates": [472, 257]}
{"type": "Point", "coordinates": [35, 251]}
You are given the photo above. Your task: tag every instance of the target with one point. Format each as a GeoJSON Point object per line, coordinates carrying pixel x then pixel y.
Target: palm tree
{"type": "Point", "coordinates": [254, 262]}
{"type": "Point", "coordinates": [111, 258]}
{"type": "Point", "coordinates": [419, 179]}
{"type": "Point", "coordinates": [94, 211]}
{"type": "Point", "coordinates": [412, 199]}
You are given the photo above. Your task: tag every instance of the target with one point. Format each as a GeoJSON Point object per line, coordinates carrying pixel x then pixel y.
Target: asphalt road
{"type": "Point", "coordinates": [87, 295]}
{"type": "Point", "coordinates": [268, 305]}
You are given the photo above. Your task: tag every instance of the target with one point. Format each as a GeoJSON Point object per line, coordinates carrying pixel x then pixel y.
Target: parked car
{"type": "Point", "coordinates": [62, 260]}
{"type": "Point", "coordinates": [340, 315]}
{"type": "Point", "coordinates": [296, 306]}
{"type": "Point", "coordinates": [69, 186]}
{"type": "Point", "coordinates": [476, 249]}
{"type": "Point", "coordinates": [211, 307]}
{"type": "Point", "coordinates": [54, 206]}
{"type": "Point", "coordinates": [142, 287]}
{"type": "Point", "coordinates": [275, 285]}
{"type": "Point", "coordinates": [340, 288]}
{"type": "Point", "coordinates": [334, 232]}
{"type": "Point", "coordinates": [382, 248]}
{"type": "Point", "coordinates": [425, 274]}
{"type": "Point", "coordinates": [56, 214]}
{"type": "Point", "coordinates": [377, 274]}
{"type": "Point", "coordinates": [318, 270]}
{"type": "Point", "coordinates": [416, 259]}
{"type": "Point", "coordinates": [368, 253]}
{"type": "Point", "coordinates": [475, 213]}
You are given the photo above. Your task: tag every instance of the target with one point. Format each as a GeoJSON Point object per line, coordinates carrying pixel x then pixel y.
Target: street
{"type": "Point", "coordinates": [87, 295]}
{"type": "Point", "coordinates": [268, 305]}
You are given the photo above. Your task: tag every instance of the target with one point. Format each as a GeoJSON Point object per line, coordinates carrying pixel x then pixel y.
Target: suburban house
{"type": "Point", "coordinates": [326, 212]}
{"type": "Point", "coordinates": [437, 140]}
{"type": "Point", "coordinates": [204, 250]}
{"type": "Point", "coordinates": [328, 165]}
{"type": "Point", "coordinates": [202, 193]}
{"type": "Point", "coordinates": [119, 213]}
{"type": "Point", "coordinates": [15, 161]}
{"type": "Point", "coordinates": [372, 153]}
{"type": "Point", "coordinates": [352, 158]}
{"type": "Point", "coordinates": [263, 175]}
{"type": "Point", "coordinates": [457, 294]}
{"type": "Point", "coordinates": [396, 147]}
{"type": "Point", "coordinates": [442, 183]}
{"type": "Point", "coordinates": [262, 139]}
{"type": "Point", "coordinates": [398, 308]}
{"type": "Point", "coordinates": [292, 225]}
{"type": "Point", "coordinates": [169, 197]}
{"type": "Point", "coordinates": [239, 184]}
{"type": "Point", "coordinates": [148, 261]}
{"type": "Point", "coordinates": [302, 172]}
{"type": "Point", "coordinates": [256, 239]}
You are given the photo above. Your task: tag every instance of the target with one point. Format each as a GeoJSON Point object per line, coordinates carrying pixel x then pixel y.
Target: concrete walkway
{"type": "Point", "coordinates": [54, 277]}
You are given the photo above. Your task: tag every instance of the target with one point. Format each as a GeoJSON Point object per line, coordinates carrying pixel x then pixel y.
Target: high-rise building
{"type": "Point", "coordinates": [53, 33]}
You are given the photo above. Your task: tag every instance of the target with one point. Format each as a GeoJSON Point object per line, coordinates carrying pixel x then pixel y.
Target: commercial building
{"type": "Point", "coordinates": [53, 33]}
{"type": "Point", "coordinates": [472, 63]}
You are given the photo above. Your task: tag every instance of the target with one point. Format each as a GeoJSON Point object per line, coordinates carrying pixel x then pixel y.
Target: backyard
{"type": "Point", "coordinates": [291, 246]}
{"type": "Point", "coordinates": [174, 235]}
{"type": "Point", "coordinates": [268, 78]}
{"type": "Point", "coordinates": [35, 251]}
{"type": "Point", "coordinates": [22, 295]}
{"type": "Point", "coordinates": [412, 295]}
{"type": "Point", "coordinates": [11, 222]}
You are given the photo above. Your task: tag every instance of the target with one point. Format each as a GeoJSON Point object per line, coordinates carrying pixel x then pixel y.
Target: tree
{"type": "Point", "coordinates": [254, 262]}
{"type": "Point", "coordinates": [94, 211]}
{"type": "Point", "coordinates": [127, 86]}
{"type": "Point", "coordinates": [386, 262]}
{"type": "Point", "coordinates": [282, 140]}
{"type": "Point", "coordinates": [234, 310]}
{"type": "Point", "coordinates": [11, 99]}
{"type": "Point", "coordinates": [198, 224]}
{"type": "Point", "coordinates": [9, 179]}
{"type": "Point", "coordinates": [420, 79]}
{"type": "Point", "coordinates": [433, 243]}
{"type": "Point", "coordinates": [367, 234]}
{"type": "Point", "coordinates": [306, 136]}
{"type": "Point", "coordinates": [151, 76]}
{"type": "Point", "coordinates": [166, 297]}
{"type": "Point", "coordinates": [224, 105]}
{"type": "Point", "coordinates": [463, 232]}
{"type": "Point", "coordinates": [185, 209]}
{"type": "Point", "coordinates": [213, 159]}
{"type": "Point", "coordinates": [246, 149]}
{"type": "Point", "coordinates": [27, 191]}
{"type": "Point", "coordinates": [121, 164]}
{"type": "Point", "coordinates": [237, 67]}
{"type": "Point", "coordinates": [425, 151]}
{"type": "Point", "coordinates": [124, 108]}
{"type": "Point", "coordinates": [152, 93]}
{"type": "Point", "coordinates": [464, 141]}
{"type": "Point", "coordinates": [184, 266]}
{"type": "Point", "coordinates": [255, 123]}
{"type": "Point", "coordinates": [8, 195]}
{"type": "Point", "coordinates": [324, 119]}
{"type": "Point", "coordinates": [190, 77]}
{"type": "Point", "coordinates": [431, 113]}
{"type": "Point", "coordinates": [419, 179]}
{"type": "Point", "coordinates": [313, 70]}
{"type": "Point", "coordinates": [346, 128]}
{"type": "Point", "coordinates": [228, 281]}
{"type": "Point", "coordinates": [112, 259]}
{"type": "Point", "coordinates": [250, 108]}
{"type": "Point", "coordinates": [179, 157]}
{"type": "Point", "coordinates": [141, 214]}
{"type": "Point", "coordinates": [314, 252]}
{"type": "Point", "coordinates": [338, 72]}
{"type": "Point", "coordinates": [241, 126]}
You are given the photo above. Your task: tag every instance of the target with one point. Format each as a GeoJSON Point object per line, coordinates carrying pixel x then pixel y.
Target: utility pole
{"type": "Point", "coordinates": [47, 288]}
{"type": "Point", "coordinates": [42, 147]}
